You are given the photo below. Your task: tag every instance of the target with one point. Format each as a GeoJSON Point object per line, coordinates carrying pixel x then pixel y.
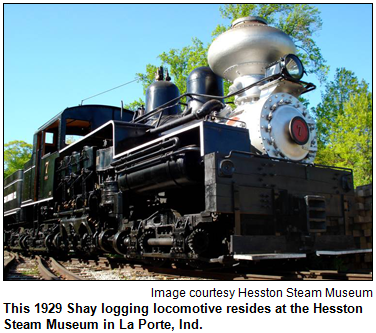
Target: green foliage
{"type": "Point", "coordinates": [148, 78]}
{"type": "Point", "coordinates": [336, 94]}
{"type": "Point", "coordinates": [134, 105]}
{"type": "Point", "coordinates": [344, 124]}
{"type": "Point", "coordinates": [299, 21]}
{"type": "Point", "coordinates": [182, 62]}
{"type": "Point", "coordinates": [179, 63]}
{"type": "Point", "coordinates": [16, 154]}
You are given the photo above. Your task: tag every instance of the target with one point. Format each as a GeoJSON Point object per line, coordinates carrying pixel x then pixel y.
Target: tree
{"type": "Point", "coordinates": [179, 64]}
{"type": "Point", "coordinates": [337, 92]}
{"type": "Point", "coordinates": [299, 21]}
{"type": "Point", "coordinates": [16, 154]}
{"type": "Point", "coordinates": [135, 105]}
{"type": "Point", "coordinates": [344, 126]}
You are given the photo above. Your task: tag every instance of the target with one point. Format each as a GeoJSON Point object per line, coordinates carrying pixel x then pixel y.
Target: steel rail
{"type": "Point", "coordinates": [8, 263]}
{"type": "Point", "coordinates": [63, 271]}
{"type": "Point", "coordinates": [45, 273]}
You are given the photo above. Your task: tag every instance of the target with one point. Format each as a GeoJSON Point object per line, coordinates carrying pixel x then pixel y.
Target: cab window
{"type": "Point", "coordinates": [48, 138]}
{"type": "Point", "coordinates": [76, 129]}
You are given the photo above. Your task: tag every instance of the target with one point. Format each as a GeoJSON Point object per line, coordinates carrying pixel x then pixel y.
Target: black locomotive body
{"type": "Point", "coordinates": [185, 185]}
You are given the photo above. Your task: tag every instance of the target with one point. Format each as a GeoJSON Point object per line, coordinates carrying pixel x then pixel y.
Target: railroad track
{"type": "Point", "coordinates": [44, 271]}
{"type": "Point", "coordinates": [114, 269]}
{"type": "Point", "coordinates": [9, 259]}
{"type": "Point", "coordinates": [53, 270]}
{"type": "Point", "coordinates": [286, 276]}
{"type": "Point", "coordinates": [197, 274]}
{"type": "Point", "coordinates": [329, 275]}
{"type": "Point", "coordinates": [18, 267]}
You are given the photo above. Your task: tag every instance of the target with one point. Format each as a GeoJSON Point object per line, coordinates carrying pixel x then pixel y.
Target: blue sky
{"type": "Point", "coordinates": [57, 55]}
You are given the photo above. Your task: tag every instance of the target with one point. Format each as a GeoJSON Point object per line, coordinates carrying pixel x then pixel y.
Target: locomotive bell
{"type": "Point", "coordinates": [247, 48]}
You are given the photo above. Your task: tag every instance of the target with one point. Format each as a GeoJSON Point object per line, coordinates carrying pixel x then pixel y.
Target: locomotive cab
{"type": "Point", "coordinates": [70, 125]}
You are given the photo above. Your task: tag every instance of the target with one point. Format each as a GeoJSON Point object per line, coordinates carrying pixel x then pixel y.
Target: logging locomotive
{"type": "Point", "coordinates": [199, 181]}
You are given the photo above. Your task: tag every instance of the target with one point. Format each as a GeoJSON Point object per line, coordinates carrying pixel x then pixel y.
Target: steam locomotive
{"type": "Point", "coordinates": [199, 181]}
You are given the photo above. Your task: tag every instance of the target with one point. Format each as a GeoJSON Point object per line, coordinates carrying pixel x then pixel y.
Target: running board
{"type": "Point", "coordinates": [342, 252]}
{"type": "Point", "coordinates": [269, 256]}
{"type": "Point", "coordinates": [281, 256]}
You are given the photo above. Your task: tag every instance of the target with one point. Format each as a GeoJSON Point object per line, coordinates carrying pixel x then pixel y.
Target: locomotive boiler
{"type": "Point", "coordinates": [200, 181]}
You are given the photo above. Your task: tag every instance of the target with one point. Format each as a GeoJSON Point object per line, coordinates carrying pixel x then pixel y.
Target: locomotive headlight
{"type": "Point", "coordinates": [292, 66]}
{"type": "Point", "coordinates": [288, 66]}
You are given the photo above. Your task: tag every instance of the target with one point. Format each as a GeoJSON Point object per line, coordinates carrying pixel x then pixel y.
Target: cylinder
{"type": "Point", "coordinates": [159, 93]}
{"type": "Point", "coordinates": [202, 80]}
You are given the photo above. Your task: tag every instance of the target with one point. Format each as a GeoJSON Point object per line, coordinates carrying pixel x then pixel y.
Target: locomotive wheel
{"type": "Point", "coordinates": [143, 241]}
{"type": "Point", "coordinates": [103, 240]}
{"type": "Point", "coordinates": [95, 239]}
{"type": "Point", "coordinates": [23, 242]}
{"type": "Point", "coordinates": [48, 242]}
{"type": "Point", "coordinates": [120, 242]}
{"type": "Point", "coordinates": [58, 243]}
{"type": "Point", "coordinates": [87, 245]}
{"type": "Point", "coordinates": [198, 241]}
